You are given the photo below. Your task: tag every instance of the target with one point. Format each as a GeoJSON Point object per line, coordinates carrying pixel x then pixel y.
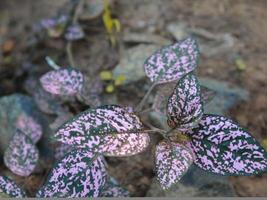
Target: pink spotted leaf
{"type": "Point", "coordinates": [79, 174]}
{"type": "Point", "coordinates": [172, 162]}
{"type": "Point", "coordinates": [125, 144]}
{"type": "Point", "coordinates": [29, 126]}
{"type": "Point", "coordinates": [221, 146]}
{"type": "Point", "coordinates": [62, 149]}
{"type": "Point", "coordinates": [109, 130]}
{"type": "Point", "coordinates": [103, 120]}
{"type": "Point", "coordinates": [9, 188]}
{"type": "Point", "coordinates": [172, 62]}
{"type": "Point", "coordinates": [62, 82]}
{"type": "Point", "coordinates": [122, 144]}
{"type": "Point", "coordinates": [185, 107]}
{"type": "Point", "coordinates": [21, 156]}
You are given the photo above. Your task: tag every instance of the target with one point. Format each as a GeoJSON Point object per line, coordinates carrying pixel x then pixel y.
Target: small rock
{"type": "Point", "coordinates": [178, 30]}
{"type": "Point", "coordinates": [131, 64]}
{"type": "Point", "coordinates": [92, 9]}
{"type": "Point", "coordinates": [145, 38]}
{"type": "Point", "coordinates": [226, 96]}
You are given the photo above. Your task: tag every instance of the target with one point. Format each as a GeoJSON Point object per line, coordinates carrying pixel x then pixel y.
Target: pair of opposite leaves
{"type": "Point", "coordinates": [217, 144]}
{"type": "Point", "coordinates": [215, 139]}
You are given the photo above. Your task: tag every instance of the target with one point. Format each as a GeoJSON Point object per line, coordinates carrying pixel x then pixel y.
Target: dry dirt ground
{"type": "Point", "coordinates": [246, 20]}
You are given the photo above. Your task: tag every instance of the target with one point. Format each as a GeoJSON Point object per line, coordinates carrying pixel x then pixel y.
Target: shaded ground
{"type": "Point", "coordinates": [245, 20]}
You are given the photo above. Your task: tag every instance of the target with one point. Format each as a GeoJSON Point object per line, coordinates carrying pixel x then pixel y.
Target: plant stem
{"type": "Point", "coordinates": [153, 127]}
{"type": "Point", "coordinates": [77, 10]}
{"type": "Point", "coordinates": [69, 54]}
{"type": "Point", "coordinates": [142, 102]}
{"type": "Point", "coordinates": [153, 131]}
{"type": "Point", "coordinates": [169, 131]}
{"type": "Point", "coordinates": [144, 111]}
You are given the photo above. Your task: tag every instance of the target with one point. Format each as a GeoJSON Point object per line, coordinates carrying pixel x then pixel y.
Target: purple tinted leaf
{"type": "Point", "coordinates": [74, 32]}
{"type": "Point", "coordinates": [172, 62]}
{"type": "Point", "coordinates": [52, 22]}
{"type": "Point", "coordinates": [79, 174]}
{"type": "Point", "coordinates": [63, 82]}
{"type": "Point", "coordinates": [21, 156]}
{"type": "Point", "coordinates": [48, 23]}
{"type": "Point", "coordinates": [185, 105]}
{"type": "Point", "coordinates": [172, 162]}
{"type": "Point", "coordinates": [54, 25]}
{"type": "Point", "coordinates": [9, 188]}
{"type": "Point", "coordinates": [29, 126]}
{"type": "Point", "coordinates": [222, 147]}
{"type": "Point", "coordinates": [100, 121]}
{"type": "Point", "coordinates": [112, 189]}
{"type": "Point", "coordinates": [62, 19]}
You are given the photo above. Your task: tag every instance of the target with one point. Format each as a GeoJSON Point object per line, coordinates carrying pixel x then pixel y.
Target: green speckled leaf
{"type": "Point", "coordinates": [64, 81]}
{"type": "Point", "coordinates": [21, 156]}
{"type": "Point", "coordinates": [103, 120]}
{"type": "Point", "coordinates": [110, 130]}
{"type": "Point", "coordinates": [9, 188]}
{"type": "Point", "coordinates": [172, 162]}
{"type": "Point", "coordinates": [172, 62]}
{"type": "Point", "coordinates": [185, 106]}
{"type": "Point", "coordinates": [79, 174]}
{"type": "Point", "coordinates": [221, 146]}
{"type": "Point", "coordinates": [29, 126]}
